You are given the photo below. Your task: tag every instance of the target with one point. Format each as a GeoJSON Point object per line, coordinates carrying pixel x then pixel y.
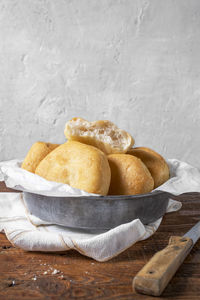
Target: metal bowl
{"type": "Point", "coordinates": [101, 212]}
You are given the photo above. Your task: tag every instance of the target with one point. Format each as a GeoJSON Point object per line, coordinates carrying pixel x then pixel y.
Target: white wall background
{"type": "Point", "coordinates": [136, 63]}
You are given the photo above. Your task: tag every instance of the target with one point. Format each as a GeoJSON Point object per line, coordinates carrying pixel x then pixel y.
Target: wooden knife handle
{"type": "Point", "coordinates": [155, 275]}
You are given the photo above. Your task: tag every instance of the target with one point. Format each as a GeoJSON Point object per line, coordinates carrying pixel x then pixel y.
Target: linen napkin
{"type": "Point", "coordinates": [33, 234]}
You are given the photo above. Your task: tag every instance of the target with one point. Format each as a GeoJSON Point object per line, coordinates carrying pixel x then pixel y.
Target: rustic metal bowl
{"type": "Point", "coordinates": [97, 212]}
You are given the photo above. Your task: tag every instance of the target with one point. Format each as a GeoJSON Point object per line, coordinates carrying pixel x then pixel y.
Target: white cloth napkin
{"type": "Point", "coordinates": [16, 222]}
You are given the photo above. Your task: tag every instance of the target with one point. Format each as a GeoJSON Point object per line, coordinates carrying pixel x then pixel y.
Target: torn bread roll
{"type": "Point", "coordinates": [102, 134]}
{"type": "Point", "coordinates": [129, 175]}
{"type": "Point", "coordinates": [37, 152]}
{"type": "Point", "coordinates": [155, 163]}
{"type": "Point", "coordinates": [81, 166]}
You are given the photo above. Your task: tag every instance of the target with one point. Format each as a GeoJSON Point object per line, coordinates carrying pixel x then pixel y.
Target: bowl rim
{"type": "Point", "coordinates": [106, 197]}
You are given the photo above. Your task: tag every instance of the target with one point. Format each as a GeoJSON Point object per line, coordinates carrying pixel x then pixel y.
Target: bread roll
{"type": "Point", "coordinates": [81, 166]}
{"type": "Point", "coordinates": [129, 176]}
{"type": "Point", "coordinates": [37, 152]}
{"type": "Point", "coordinates": [101, 134]}
{"type": "Point", "coordinates": [155, 163]}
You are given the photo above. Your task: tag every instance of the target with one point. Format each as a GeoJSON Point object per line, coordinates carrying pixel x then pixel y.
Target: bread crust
{"type": "Point", "coordinates": [102, 134]}
{"type": "Point", "coordinates": [129, 175]}
{"type": "Point", "coordinates": [81, 166]}
{"type": "Point", "coordinates": [37, 152]}
{"type": "Point", "coordinates": [155, 163]}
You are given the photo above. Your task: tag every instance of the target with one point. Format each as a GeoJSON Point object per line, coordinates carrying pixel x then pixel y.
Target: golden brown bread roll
{"type": "Point", "coordinates": [37, 152]}
{"type": "Point", "coordinates": [101, 134]}
{"type": "Point", "coordinates": [129, 175]}
{"type": "Point", "coordinates": [81, 166]}
{"type": "Point", "coordinates": [155, 163]}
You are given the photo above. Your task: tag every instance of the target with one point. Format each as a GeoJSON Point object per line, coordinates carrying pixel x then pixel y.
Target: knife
{"type": "Point", "coordinates": [156, 274]}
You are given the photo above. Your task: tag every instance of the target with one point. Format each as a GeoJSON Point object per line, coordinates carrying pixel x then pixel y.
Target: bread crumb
{"type": "Point", "coordinates": [55, 271]}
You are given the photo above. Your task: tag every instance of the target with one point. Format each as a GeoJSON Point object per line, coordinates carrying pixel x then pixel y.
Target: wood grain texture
{"type": "Point", "coordinates": [28, 275]}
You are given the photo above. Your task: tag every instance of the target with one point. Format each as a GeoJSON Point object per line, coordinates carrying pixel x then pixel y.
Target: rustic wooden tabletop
{"type": "Point", "coordinates": [33, 275]}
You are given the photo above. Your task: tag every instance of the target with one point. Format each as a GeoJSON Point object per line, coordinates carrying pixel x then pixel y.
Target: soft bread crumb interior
{"type": "Point", "coordinates": [104, 132]}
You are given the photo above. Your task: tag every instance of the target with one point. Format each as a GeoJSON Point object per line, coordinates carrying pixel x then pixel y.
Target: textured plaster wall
{"type": "Point", "coordinates": [136, 63]}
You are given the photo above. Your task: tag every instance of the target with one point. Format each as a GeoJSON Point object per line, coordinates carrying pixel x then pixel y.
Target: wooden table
{"type": "Point", "coordinates": [28, 275]}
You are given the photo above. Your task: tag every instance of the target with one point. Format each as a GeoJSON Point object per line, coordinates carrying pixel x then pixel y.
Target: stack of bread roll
{"type": "Point", "coordinates": [98, 158]}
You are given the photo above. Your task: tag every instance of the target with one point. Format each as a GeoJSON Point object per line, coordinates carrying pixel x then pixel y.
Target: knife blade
{"type": "Point", "coordinates": [194, 233]}
{"type": "Point", "coordinates": [156, 274]}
